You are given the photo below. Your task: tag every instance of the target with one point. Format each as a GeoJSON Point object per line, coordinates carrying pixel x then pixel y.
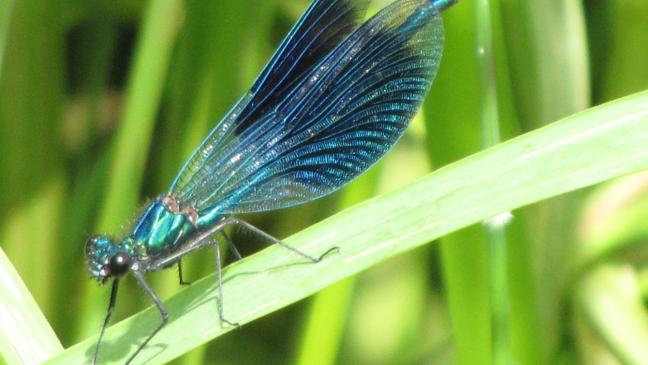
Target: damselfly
{"type": "Point", "coordinates": [333, 99]}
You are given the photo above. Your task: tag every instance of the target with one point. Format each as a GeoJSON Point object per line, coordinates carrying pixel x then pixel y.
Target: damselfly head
{"type": "Point", "coordinates": [106, 259]}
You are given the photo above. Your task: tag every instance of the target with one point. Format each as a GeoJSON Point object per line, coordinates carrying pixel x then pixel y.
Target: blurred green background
{"type": "Point", "coordinates": [102, 100]}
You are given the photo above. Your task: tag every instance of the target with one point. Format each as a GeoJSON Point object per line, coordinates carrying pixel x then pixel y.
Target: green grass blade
{"type": "Point", "coordinates": [5, 17]}
{"type": "Point", "coordinates": [548, 46]}
{"type": "Point", "coordinates": [496, 230]}
{"type": "Point", "coordinates": [452, 113]}
{"type": "Point", "coordinates": [550, 69]}
{"type": "Point", "coordinates": [387, 313]}
{"type": "Point", "coordinates": [327, 317]}
{"type": "Point", "coordinates": [624, 68]}
{"type": "Point", "coordinates": [325, 325]}
{"type": "Point", "coordinates": [32, 177]}
{"type": "Point", "coordinates": [25, 335]}
{"type": "Point", "coordinates": [578, 151]}
{"type": "Point", "coordinates": [153, 55]}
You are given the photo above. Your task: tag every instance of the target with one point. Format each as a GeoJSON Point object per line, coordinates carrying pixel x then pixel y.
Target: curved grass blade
{"type": "Point", "coordinates": [25, 336]}
{"type": "Point", "coordinates": [584, 149]}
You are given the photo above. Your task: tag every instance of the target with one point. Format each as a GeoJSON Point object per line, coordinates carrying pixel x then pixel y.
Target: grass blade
{"type": "Point", "coordinates": [495, 227]}
{"type": "Point", "coordinates": [25, 336]}
{"type": "Point", "coordinates": [452, 113]}
{"type": "Point", "coordinates": [151, 62]}
{"type": "Point", "coordinates": [578, 151]}
{"type": "Point", "coordinates": [5, 16]}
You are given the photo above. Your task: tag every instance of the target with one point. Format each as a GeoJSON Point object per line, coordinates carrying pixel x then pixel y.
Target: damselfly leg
{"type": "Point", "coordinates": [228, 241]}
{"type": "Point", "coordinates": [139, 277]}
{"type": "Point", "coordinates": [201, 241]}
{"type": "Point", "coordinates": [111, 308]}
{"type": "Point", "coordinates": [181, 279]}
{"type": "Point", "coordinates": [205, 240]}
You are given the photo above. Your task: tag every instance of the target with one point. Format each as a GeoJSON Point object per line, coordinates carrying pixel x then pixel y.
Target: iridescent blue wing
{"type": "Point", "coordinates": [333, 123]}
{"type": "Point", "coordinates": [320, 29]}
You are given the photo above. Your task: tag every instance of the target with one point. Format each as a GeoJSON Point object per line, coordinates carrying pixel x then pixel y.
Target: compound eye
{"type": "Point", "coordinates": [96, 243]}
{"type": "Point", "coordinates": [119, 264]}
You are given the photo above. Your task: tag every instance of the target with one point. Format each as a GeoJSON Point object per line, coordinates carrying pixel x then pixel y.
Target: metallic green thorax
{"type": "Point", "coordinates": [163, 228]}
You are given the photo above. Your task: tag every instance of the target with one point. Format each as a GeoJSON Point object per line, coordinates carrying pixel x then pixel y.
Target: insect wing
{"type": "Point", "coordinates": [324, 24]}
{"type": "Point", "coordinates": [335, 122]}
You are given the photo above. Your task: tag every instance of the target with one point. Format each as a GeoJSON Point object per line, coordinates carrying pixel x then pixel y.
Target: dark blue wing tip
{"type": "Point", "coordinates": [441, 5]}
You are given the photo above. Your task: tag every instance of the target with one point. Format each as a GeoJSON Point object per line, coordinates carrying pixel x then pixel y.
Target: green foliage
{"type": "Point", "coordinates": [101, 101]}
